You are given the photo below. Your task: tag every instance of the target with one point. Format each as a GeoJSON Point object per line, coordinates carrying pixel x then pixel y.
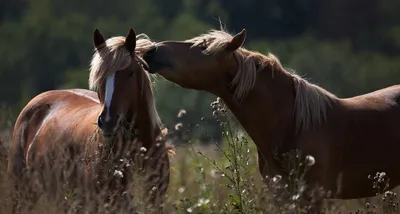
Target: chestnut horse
{"type": "Point", "coordinates": [349, 138]}
{"type": "Point", "coordinates": [63, 122]}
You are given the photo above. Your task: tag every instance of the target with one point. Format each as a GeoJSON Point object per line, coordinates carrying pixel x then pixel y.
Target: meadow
{"type": "Point", "coordinates": [220, 179]}
{"type": "Point", "coordinates": [348, 47]}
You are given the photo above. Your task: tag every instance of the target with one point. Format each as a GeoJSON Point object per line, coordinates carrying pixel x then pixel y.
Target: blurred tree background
{"type": "Point", "coordinates": [347, 46]}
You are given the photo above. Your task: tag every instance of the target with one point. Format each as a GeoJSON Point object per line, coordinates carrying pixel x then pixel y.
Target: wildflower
{"type": "Point", "coordinates": [178, 126]}
{"type": "Point", "coordinates": [302, 188]}
{"type": "Point", "coordinates": [118, 173]}
{"type": "Point", "coordinates": [202, 202]}
{"type": "Point", "coordinates": [143, 149]}
{"type": "Point", "coordinates": [292, 206]}
{"type": "Point", "coordinates": [310, 160]}
{"type": "Point", "coordinates": [295, 197]}
{"type": "Point", "coordinates": [164, 132]}
{"type": "Point", "coordinates": [181, 189]}
{"type": "Point", "coordinates": [214, 105]}
{"type": "Point", "coordinates": [181, 113]}
{"type": "Point", "coordinates": [382, 175]}
{"type": "Point", "coordinates": [276, 178]}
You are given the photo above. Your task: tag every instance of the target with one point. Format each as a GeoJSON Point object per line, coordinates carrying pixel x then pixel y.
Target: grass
{"type": "Point", "coordinates": [223, 179]}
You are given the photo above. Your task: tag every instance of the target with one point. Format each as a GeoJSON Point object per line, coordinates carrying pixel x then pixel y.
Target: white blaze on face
{"type": "Point", "coordinates": [109, 94]}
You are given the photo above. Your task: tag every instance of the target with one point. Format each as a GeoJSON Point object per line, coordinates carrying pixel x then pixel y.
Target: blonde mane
{"type": "Point", "coordinates": [248, 65]}
{"type": "Point", "coordinates": [113, 57]}
{"type": "Point", "coordinates": [311, 102]}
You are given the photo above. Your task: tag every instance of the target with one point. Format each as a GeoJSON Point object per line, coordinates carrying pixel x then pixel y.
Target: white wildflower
{"type": "Point", "coordinates": [118, 173]}
{"type": "Point", "coordinates": [143, 149]}
{"type": "Point", "coordinates": [310, 160]}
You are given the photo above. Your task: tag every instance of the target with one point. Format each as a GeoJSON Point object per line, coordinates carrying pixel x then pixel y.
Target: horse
{"type": "Point", "coordinates": [116, 120]}
{"type": "Point", "coordinates": [349, 138]}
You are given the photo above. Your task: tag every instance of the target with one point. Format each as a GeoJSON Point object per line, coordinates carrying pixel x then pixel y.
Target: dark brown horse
{"type": "Point", "coordinates": [349, 138]}
{"type": "Point", "coordinates": [61, 124]}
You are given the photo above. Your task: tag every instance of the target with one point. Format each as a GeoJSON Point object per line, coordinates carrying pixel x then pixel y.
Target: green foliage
{"type": "Point", "coordinates": [47, 44]}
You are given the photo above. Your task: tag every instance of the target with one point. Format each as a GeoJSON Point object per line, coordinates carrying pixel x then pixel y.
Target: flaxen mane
{"type": "Point", "coordinates": [311, 101]}
{"type": "Point", "coordinates": [113, 57]}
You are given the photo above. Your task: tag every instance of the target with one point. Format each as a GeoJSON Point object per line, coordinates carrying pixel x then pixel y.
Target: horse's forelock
{"type": "Point", "coordinates": [114, 56]}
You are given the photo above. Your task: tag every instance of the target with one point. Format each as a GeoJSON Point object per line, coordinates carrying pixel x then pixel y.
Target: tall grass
{"type": "Point", "coordinates": [220, 178]}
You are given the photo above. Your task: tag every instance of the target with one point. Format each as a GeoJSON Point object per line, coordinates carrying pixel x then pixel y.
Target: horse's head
{"type": "Point", "coordinates": [199, 63]}
{"type": "Point", "coordinates": [117, 75]}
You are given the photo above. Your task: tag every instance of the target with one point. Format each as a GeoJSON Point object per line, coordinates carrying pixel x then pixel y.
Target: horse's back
{"type": "Point", "coordinates": [48, 112]}
{"type": "Point", "coordinates": [391, 93]}
{"type": "Point", "coordinates": [85, 93]}
{"type": "Point", "coordinates": [380, 108]}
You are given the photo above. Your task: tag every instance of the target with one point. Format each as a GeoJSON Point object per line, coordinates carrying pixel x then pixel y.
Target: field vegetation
{"type": "Point", "coordinates": [216, 179]}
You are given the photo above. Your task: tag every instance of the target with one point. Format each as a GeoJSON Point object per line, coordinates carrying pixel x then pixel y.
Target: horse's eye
{"type": "Point", "coordinates": [130, 73]}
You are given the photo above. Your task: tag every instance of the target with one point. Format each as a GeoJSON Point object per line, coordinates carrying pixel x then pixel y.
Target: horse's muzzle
{"type": "Point", "coordinates": [157, 59]}
{"type": "Point", "coordinates": [107, 126]}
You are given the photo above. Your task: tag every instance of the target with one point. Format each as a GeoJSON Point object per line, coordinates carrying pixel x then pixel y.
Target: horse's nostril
{"type": "Point", "coordinates": [100, 121]}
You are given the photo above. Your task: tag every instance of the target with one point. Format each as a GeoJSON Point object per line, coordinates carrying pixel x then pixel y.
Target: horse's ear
{"type": "Point", "coordinates": [98, 39]}
{"type": "Point", "coordinates": [130, 41]}
{"type": "Point", "coordinates": [237, 41]}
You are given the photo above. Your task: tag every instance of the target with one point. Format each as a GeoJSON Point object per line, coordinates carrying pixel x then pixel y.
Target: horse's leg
{"type": "Point", "coordinates": [268, 166]}
{"type": "Point", "coordinates": [16, 170]}
{"type": "Point", "coordinates": [25, 194]}
{"type": "Point", "coordinates": [15, 193]}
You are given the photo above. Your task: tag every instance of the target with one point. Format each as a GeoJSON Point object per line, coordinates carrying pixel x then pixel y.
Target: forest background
{"type": "Point", "coordinates": [348, 47]}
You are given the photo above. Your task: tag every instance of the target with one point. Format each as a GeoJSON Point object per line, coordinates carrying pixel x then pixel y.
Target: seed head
{"type": "Point", "coordinates": [181, 113]}
{"type": "Point", "coordinates": [178, 126]}
{"type": "Point", "coordinates": [310, 160]}
{"type": "Point", "coordinates": [143, 149]}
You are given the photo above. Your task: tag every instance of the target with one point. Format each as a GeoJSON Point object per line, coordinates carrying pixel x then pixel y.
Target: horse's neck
{"type": "Point", "coordinates": [266, 112]}
{"type": "Point", "coordinates": [147, 120]}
